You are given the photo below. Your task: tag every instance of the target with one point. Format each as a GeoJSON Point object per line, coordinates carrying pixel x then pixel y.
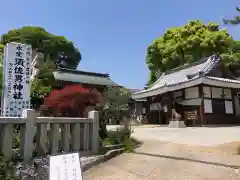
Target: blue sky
{"type": "Point", "coordinates": [113, 35]}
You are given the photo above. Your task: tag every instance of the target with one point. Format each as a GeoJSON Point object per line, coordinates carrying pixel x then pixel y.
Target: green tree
{"type": "Point", "coordinates": [114, 101]}
{"type": "Point", "coordinates": [1, 48]}
{"type": "Point", "coordinates": [232, 58]}
{"type": "Point", "coordinates": [181, 45]}
{"type": "Point", "coordinates": [44, 83]}
{"type": "Point", "coordinates": [60, 50]}
{"type": "Point", "coordinates": [57, 51]}
{"type": "Point", "coordinates": [235, 20]}
{"type": "Point", "coordinates": [113, 105]}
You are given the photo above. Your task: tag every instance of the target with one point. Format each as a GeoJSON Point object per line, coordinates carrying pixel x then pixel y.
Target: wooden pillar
{"type": "Point", "coordinates": [201, 110]}
{"type": "Point", "coordinates": [233, 94]}
{"type": "Point", "coordinates": [148, 112]}
{"type": "Point", "coordinates": [201, 107]}
{"type": "Point", "coordinates": [169, 104]}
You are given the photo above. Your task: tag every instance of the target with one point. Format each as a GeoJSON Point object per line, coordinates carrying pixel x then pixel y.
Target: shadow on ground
{"type": "Point", "coordinates": [188, 159]}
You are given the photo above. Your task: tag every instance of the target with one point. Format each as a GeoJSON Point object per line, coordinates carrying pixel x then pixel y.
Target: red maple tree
{"type": "Point", "coordinates": [71, 101]}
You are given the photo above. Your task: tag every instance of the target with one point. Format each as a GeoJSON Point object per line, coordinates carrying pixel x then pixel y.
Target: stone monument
{"type": "Point", "coordinates": [176, 121]}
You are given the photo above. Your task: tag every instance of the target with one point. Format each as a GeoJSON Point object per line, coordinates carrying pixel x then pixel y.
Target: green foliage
{"type": "Point", "coordinates": [39, 90]}
{"type": "Point", "coordinates": [16, 139]}
{"type": "Point", "coordinates": [235, 20]}
{"type": "Point", "coordinates": [114, 103]}
{"type": "Point", "coordinates": [128, 144]}
{"type": "Point", "coordinates": [115, 97]}
{"type": "Point", "coordinates": [7, 170]}
{"type": "Point", "coordinates": [231, 58]}
{"type": "Point", "coordinates": [42, 85]}
{"type": "Point", "coordinates": [121, 136]}
{"type": "Point", "coordinates": [57, 48]}
{"type": "Point", "coordinates": [1, 48]}
{"type": "Point", "coordinates": [186, 44]}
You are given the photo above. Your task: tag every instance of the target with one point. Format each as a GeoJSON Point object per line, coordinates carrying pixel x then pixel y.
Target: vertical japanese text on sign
{"type": "Point", "coordinates": [16, 96]}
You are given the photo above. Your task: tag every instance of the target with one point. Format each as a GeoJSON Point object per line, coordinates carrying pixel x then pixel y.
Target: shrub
{"type": "Point", "coordinates": [102, 128]}
{"type": "Point", "coordinates": [128, 144]}
{"type": "Point", "coordinates": [120, 136]}
{"type": "Point", "coordinates": [7, 170]}
{"type": "Point", "coordinates": [16, 139]}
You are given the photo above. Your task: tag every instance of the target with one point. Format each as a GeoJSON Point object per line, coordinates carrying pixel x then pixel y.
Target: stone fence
{"type": "Point", "coordinates": [50, 135]}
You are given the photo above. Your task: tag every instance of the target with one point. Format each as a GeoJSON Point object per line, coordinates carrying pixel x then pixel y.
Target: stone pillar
{"type": "Point", "coordinates": [30, 131]}
{"type": "Point", "coordinates": [94, 116]}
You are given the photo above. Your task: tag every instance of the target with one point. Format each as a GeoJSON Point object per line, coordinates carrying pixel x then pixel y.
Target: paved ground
{"type": "Point", "coordinates": [199, 136]}
{"type": "Point", "coordinates": [161, 158]}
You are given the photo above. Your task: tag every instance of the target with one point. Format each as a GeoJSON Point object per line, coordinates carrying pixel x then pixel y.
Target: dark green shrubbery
{"type": "Point", "coordinates": [7, 167]}
{"type": "Point", "coordinates": [120, 136]}
{"type": "Point", "coordinates": [7, 170]}
{"type": "Point", "coordinates": [16, 138]}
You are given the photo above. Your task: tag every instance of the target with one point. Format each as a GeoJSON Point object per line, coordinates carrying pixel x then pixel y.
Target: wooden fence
{"type": "Point", "coordinates": [50, 135]}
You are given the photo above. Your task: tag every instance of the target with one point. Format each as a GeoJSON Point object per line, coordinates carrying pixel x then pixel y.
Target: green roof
{"type": "Point", "coordinates": [83, 77]}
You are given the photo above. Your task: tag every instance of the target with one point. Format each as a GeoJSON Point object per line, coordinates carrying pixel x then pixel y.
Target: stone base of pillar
{"type": "Point", "coordinates": [176, 124]}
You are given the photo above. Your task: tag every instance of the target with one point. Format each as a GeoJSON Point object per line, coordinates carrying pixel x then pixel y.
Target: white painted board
{"type": "Point", "coordinates": [65, 167]}
{"type": "Point", "coordinates": [208, 106]}
{"type": "Point", "coordinates": [16, 79]}
{"type": "Point", "coordinates": [228, 107]}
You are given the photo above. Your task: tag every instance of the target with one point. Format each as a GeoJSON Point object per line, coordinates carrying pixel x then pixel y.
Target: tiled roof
{"type": "Point", "coordinates": [182, 77]}
{"type": "Point", "coordinates": [185, 73]}
{"type": "Point", "coordinates": [83, 77]}
{"type": "Point", "coordinates": [213, 81]}
{"type": "Point", "coordinates": [134, 90]}
{"type": "Point", "coordinates": [223, 79]}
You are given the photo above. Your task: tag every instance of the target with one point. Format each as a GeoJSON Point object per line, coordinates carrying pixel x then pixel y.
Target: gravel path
{"type": "Point", "coordinates": [147, 163]}
{"type": "Point", "coordinates": [157, 160]}
{"type": "Point", "coordinates": [196, 136]}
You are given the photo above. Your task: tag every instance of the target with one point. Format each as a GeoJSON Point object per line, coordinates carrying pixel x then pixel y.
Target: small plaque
{"type": "Point", "coordinates": [65, 167]}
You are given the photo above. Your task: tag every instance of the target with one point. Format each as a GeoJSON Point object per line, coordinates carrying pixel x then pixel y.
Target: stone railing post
{"type": "Point", "coordinates": [94, 116]}
{"type": "Point", "coordinates": [7, 136]}
{"type": "Point", "coordinates": [30, 131]}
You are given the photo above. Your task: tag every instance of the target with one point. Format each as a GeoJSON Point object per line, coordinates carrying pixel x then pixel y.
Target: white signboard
{"type": "Point", "coordinates": [228, 107]}
{"type": "Point", "coordinates": [65, 167]}
{"type": "Point", "coordinates": [16, 90]}
{"type": "Point", "coordinates": [208, 106]}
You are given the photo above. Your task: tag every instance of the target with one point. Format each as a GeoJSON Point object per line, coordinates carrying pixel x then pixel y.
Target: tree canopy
{"type": "Point", "coordinates": [181, 45]}
{"type": "Point", "coordinates": [114, 101]}
{"type": "Point", "coordinates": [71, 101]}
{"type": "Point", "coordinates": [57, 51]}
{"type": "Point", "coordinates": [60, 50]}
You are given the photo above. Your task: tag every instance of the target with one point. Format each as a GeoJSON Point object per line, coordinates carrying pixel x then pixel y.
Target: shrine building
{"type": "Point", "coordinates": [90, 80]}
{"type": "Point", "coordinates": [203, 93]}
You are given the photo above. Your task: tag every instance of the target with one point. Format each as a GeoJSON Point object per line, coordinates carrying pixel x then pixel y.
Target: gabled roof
{"type": "Point", "coordinates": [83, 77]}
{"type": "Point", "coordinates": [134, 90]}
{"type": "Point", "coordinates": [186, 76]}
{"type": "Point", "coordinates": [187, 72]}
